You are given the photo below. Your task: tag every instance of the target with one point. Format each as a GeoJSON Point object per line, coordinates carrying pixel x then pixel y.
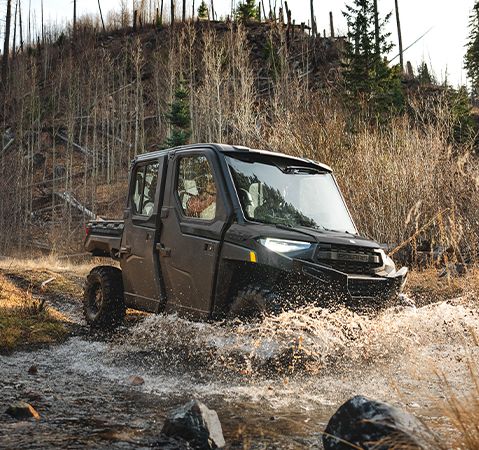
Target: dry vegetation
{"type": "Point", "coordinates": [80, 112]}
{"type": "Point", "coordinates": [463, 411]}
{"type": "Point", "coordinates": [430, 285]}
{"type": "Point", "coordinates": [25, 320]}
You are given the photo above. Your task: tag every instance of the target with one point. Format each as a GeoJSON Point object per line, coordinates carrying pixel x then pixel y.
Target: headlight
{"type": "Point", "coordinates": [284, 246]}
{"type": "Point", "coordinates": [388, 264]}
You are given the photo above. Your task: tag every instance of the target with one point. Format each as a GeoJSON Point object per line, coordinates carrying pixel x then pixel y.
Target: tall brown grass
{"type": "Point", "coordinates": [463, 411]}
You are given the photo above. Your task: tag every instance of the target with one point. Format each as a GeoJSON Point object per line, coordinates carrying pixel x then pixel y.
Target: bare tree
{"type": "Point", "coordinates": [74, 16]}
{"type": "Point", "coordinates": [6, 45]}
{"type": "Point", "coordinates": [101, 16]}
{"type": "Point", "coordinates": [43, 25]}
{"type": "Point", "coordinates": [29, 35]}
{"type": "Point", "coordinates": [331, 24]}
{"type": "Point", "coordinates": [20, 24]}
{"type": "Point", "coordinates": [14, 46]}
{"type": "Point", "coordinates": [313, 19]}
{"type": "Point", "coordinates": [398, 21]}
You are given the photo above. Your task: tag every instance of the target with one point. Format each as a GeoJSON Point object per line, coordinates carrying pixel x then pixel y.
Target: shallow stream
{"type": "Point", "coordinates": [274, 384]}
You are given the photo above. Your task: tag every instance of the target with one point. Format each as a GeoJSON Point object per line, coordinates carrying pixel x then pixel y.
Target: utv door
{"type": "Point", "coordinates": [194, 217]}
{"type": "Point", "coordinates": [139, 260]}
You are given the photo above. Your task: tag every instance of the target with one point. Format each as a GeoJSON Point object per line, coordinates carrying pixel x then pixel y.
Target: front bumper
{"type": "Point", "coordinates": [354, 290]}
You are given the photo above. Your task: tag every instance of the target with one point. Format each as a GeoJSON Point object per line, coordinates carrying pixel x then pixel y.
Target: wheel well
{"type": "Point", "coordinates": [235, 276]}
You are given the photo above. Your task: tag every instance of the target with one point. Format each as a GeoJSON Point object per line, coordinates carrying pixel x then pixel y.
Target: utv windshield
{"type": "Point", "coordinates": [289, 195]}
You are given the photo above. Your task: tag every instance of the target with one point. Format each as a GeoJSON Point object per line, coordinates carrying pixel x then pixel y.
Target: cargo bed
{"type": "Point", "coordinates": [103, 237]}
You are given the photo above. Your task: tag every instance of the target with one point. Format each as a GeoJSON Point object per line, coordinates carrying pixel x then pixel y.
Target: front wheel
{"type": "Point", "coordinates": [254, 303]}
{"type": "Point", "coordinates": [103, 301]}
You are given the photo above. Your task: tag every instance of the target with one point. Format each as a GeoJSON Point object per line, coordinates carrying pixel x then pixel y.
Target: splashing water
{"type": "Point", "coordinates": [310, 340]}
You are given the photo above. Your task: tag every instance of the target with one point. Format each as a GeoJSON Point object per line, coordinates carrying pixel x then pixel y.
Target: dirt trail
{"type": "Point", "coordinates": [274, 384]}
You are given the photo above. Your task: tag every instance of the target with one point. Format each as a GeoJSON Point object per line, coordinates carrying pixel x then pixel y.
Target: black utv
{"type": "Point", "coordinates": [215, 231]}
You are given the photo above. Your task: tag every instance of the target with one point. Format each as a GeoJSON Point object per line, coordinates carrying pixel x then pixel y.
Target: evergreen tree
{"type": "Point", "coordinates": [423, 74]}
{"type": "Point", "coordinates": [203, 10]}
{"type": "Point", "coordinates": [179, 118]}
{"type": "Point", "coordinates": [369, 81]}
{"type": "Point", "coordinates": [463, 127]}
{"type": "Point", "coordinates": [247, 10]}
{"type": "Point", "coordinates": [472, 54]}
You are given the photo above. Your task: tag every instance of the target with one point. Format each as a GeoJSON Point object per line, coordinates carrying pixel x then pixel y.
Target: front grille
{"type": "Point", "coordinates": [349, 259]}
{"type": "Point", "coordinates": [367, 288]}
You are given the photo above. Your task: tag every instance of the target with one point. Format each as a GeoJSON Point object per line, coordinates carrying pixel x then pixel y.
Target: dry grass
{"type": "Point", "coordinates": [51, 265]}
{"type": "Point", "coordinates": [463, 411]}
{"type": "Point", "coordinates": [26, 321]}
{"type": "Point", "coordinates": [432, 285]}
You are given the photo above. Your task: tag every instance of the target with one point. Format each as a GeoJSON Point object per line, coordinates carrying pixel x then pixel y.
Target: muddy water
{"type": "Point", "coordinates": [274, 384]}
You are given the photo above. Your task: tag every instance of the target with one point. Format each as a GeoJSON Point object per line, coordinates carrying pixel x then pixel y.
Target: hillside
{"type": "Point", "coordinates": [78, 112]}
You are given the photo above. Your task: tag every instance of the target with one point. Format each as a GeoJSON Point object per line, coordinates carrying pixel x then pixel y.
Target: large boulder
{"type": "Point", "coordinates": [196, 424]}
{"type": "Point", "coordinates": [368, 424]}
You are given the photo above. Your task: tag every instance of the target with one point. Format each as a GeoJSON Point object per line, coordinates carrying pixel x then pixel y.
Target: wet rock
{"type": "Point", "coordinates": [22, 410]}
{"type": "Point", "coordinates": [196, 424]}
{"type": "Point", "coordinates": [135, 380]}
{"type": "Point", "coordinates": [33, 370]}
{"type": "Point", "coordinates": [369, 424]}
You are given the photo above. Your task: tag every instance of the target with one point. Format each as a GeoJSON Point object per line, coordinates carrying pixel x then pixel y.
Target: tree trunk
{"type": "Point", "coordinates": [212, 10]}
{"type": "Point", "coordinates": [161, 12]}
{"type": "Point", "coordinates": [264, 10]}
{"type": "Point", "coordinates": [376, 30]}
{"type": "Point", "coordinates": [172, 12]}
{"type": "Point", "coordinates": [184, 11]}
{"type": "Point", "coordinates": [398, 21]}
{"type": "Point", "coordinates": [331, 24]}
{"type": "Point", "coordinates": [29, 36]}
{"type": "Point", "coordinates": [43, 29]}
{"type": "Point", "coordinates": [20, 23]}
{"type": "Point", "coordinates": [313, 20]}
{"type": "Point", "coordinates": [6, 45]}
{"type": "Point", "coordinates": [74, 16]}
{"type": "Point", "coordinates": [101, 16]}
{"type": "Point", "coordinates": [14, 46]}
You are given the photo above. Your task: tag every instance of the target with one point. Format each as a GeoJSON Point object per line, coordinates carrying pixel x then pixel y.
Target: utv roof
{"type": "Point", "coordinates": [231, 149]}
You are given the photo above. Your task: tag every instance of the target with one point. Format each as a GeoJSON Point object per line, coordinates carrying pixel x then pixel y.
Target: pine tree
{"type": "Point", "coordinates": [472, 54]}
{"type": "Point", "coordinates": [203, 10]}
{"type": "Point", "coordinates": [247, 10]}
{"type": "Point", "coordinates": [369, 81]}
{"type": "Point", "coordinates": [423, 74]}
{"type": "Point", "coordinates": [179, 118]}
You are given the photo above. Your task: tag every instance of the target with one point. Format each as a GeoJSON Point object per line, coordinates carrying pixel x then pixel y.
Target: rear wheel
{"type": "Point", "coordinates": [103, 301]}
{"type": "Point", "coordinates": [254, 303]}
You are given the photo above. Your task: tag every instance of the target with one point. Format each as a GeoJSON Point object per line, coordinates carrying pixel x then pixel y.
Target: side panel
{"type": "Point", "coordinates": [190, 246]}
{"type": "Point", "coordinates": [144, 288]}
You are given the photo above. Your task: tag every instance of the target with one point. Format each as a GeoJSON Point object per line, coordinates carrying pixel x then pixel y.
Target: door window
{"type": "Point", "coordinates": [196, 187]}
{"type": "Point", "coordinates": [145, 179]}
